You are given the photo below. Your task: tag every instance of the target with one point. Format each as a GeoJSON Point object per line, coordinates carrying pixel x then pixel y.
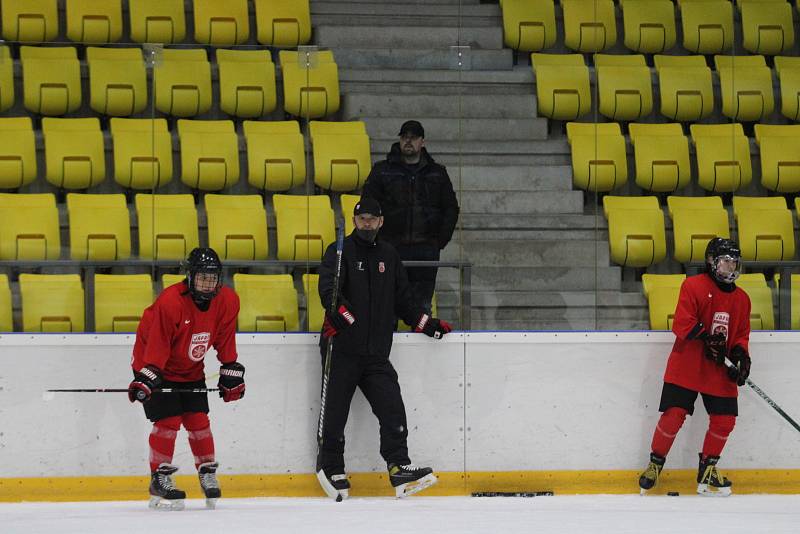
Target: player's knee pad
{"type": "Point", "coordinates": [672, 420]}
{"type": "Point", "coordinates": [721, 425]}
{"type": "Point", "coordinates": [172, 424]}
{"type": "Point", "coordinates": [195, 421]}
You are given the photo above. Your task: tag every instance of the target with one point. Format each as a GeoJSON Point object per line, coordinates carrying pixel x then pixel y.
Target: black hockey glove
{"type": "Point", "coordinates": [432, 327]}
{"type": "Point", "coordinates": [716, 348]}
{"type": "Point", "coordinates": [339, 321]}
{"type": "Point", "coordinates": [231, 381]}
{"type": "Point", "coordinates": [144, 382]}
{"type": "Point", "coordinates": [741, 369]}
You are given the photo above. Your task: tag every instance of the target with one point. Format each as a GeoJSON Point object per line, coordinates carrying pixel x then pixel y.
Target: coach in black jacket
{"type": "Point", "coordinates": [373, 290]}
{"type": "Point", "coordinates": [419, 206]}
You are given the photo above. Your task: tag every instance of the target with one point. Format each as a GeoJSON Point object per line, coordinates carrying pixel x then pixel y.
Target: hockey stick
{"type": "Point", "coordinates": [125, 390]}
{"type": "Point", "coordinates": [772, 403]}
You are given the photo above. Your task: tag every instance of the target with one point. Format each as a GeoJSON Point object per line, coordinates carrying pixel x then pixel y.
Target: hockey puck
{"type": "Point", "coordinates": [673, 494]}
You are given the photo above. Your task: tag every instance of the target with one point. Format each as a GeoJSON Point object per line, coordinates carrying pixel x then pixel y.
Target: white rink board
{"type": "Point", "coordinates": [533, 401]}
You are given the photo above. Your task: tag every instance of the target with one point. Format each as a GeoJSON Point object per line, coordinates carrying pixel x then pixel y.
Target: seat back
{"type": "Point", "coordinates": [695, 221]}
{"type": "Point", "coordinates": [74, 152]}
{"type": "Point", "coordinates": [117, 81]}
{"type": "Point", "coordinates": [29, 230]}
{"type": "Point", "coordinates": [246, 82]}
{"type": "Point", "coordinates": [6, 314]}
{"type": "Point", "coordinates": [157, 21]}
{"type": "Point", "coordinates": [209, 154]}
{"type": "Point", "coordinates": [661, 152]}
{"type": "Point", "coordinates": [765, 227]}
{"type": "Point", "coordinates": [120, 300]}
{"type": "Point", "coordinates": [562, 86]}
{"type": "Point", "coordinates": [99, 227]}
{"type": "Point", "coordinates": [237, 226]}
{"type": "Point", "coordinates": [51, 302]}
{"type": "Point", "coordinates": [649, 25]}
{"type": "Point", "coordinates": [167, 226]}
{"type": "Point", "coordinates": [348, 204]}
{"type": "Point", "coordinates": [51, 79]}
{"type": "Point", "coordinates": [707, 25]}
{"type": "Point", "coordinates": [342, 159]}
{"type": "Point", "coordinates": [529, 25]}
{"type": "Point", "coordinates": [766, 27]}
{"type": "Point", "coordinates": [723, 157]}
{"type": "Point", "coordinates": [142, 153]}
{"type": "Point", "coordinates": [746, 86]}
{"type": "Point", "coordinates": [662, 291]}
{"type": "Point", "coordinates": [599, 162]}
{"type": "Point", "coordinates": [283, 23]}
{"type": "Point", "coordinates": [29, 21]}
{"type": "Point", "coordinates": [221, 23]}
{"type": "Point", "coordinates": [6, 79]}
{"type": "Point", "coordinates": [636, 235]}
{"type": "Point", "coordinates": [624, 86]}
{"type": "Point", "coordinates": [310, 84]}
{"type": "Point", "coordinates": [304, 226]}
{"type": "Point", "coordinates": [589, 25]}
{"type": "Point", "coordinates": [93, 22]}
{"type": "Point", "coordinates": [788, 71]}
{"type": "Point", "coordinates": [685, 87]}
{"type": "Point", "coordinates": [276, 157]}
{"type": "Point", "coordinates": [268, 303]}
{"type": "Point", "coordinates": [182, 80]}
{"type": "Point", "coordinates": [779, 147]}
{"type": "Point", "coordinates": [17, 152]}
{"type": "Point", "coordinates": [315, 313]}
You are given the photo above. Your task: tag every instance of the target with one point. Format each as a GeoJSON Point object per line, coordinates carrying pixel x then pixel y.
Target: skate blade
{"type": "Point", "coordinates": [330, 491]}
{"type": "Point", "coordinates": [706, 491]}
{"type": "Point", "coordinates": [410, 488]}
{"type": "Point", "coordinates": [643, 492]}
{"type": "Point", "coordinates": [165, 505]}
{"type": "Point", "coordinates": [211, 504]}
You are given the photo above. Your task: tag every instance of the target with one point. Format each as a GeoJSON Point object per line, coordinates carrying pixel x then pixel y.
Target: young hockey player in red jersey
{"type": "Point", "coordinates": [171, 342]}
{"type": "Point", "coordinates": [712, 324]}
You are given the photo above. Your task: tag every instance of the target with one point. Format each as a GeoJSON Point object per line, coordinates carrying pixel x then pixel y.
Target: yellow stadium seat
{"type": "Point", "coordinates": [746, 86]}
{"type": "Point", "coordinates": [707, 25]}
{"type": "Point", "coordinates": [6, 315]}
{"type": "Point", "coordinates": [661, 291]}
{"type": "Point", "coordinates": [157, 21]}
{"type": "Point", "coordinates": [167, 226]}
{"type": "Point", "coordinates": [788, 70]}
{"type": "Point", "coordinates": [30, 228]}
{"type": "Point", "coordinates": [30, 21]}
{"type": "Point", "coordinates": [315, 313]}
{"type": "Point", "coordinates": [246, 82]}
{"type": "Point", "coordinates": [94, 21]}
{"type": "Point", "coordinates": [348, 204]}
{"type": "Point", "coordinates": [780, 156]}
{"type": "Point", "coordinates": [766, 228]}
{"type": "Point", "coordinates": [598, 156]}
{"type": "Point", "coordinates": [142, 153]}
{"type": "Point", "coordinates": [276, 157]}
{"type": "Point", "coordinates": [624, 86]}
{"type": "Point", "coordinates": [649, 25]}
{"type": "Point", "coordinates": [766, 26]}
{"type": "Point", "coordinates": [762, 311]}
{"type": "Point", "coordinates": [51, 79]}
{"type": "Point", "coordinates": [6, 79]}
{"type": "Point", "coordinates": [562, 86]}
{"type": "Point", "coordinates": [662, 156]}
{"type": "Point", "coordinates": [268, 303]}
{"type": "Point", "coordinates": [723, 157]}
{"type": "Point", "coordinates": [74, 152]}
{"type": "Point", "coordinates": [529, 25]}
{"type": "Point", "coordinates": [589, 25]}
{"type": "Point", "coordinates": [304, 226]}
{"type": "Point", "coordinates": [310, 84]}
{"type": "Point", "coordinates": [636, 236]}
{"type": "Point", "coordinates": [99, 227]}
{"type": "Point", "coordinates": [685, 87]}
{"type": "Point", "coordinates": [695, 221]}
{"type": "Point", "coordinates": [237, 226]}
{"type": "Point", "coordinates": [795, 299]}
{"type": "Point", "coordinates": [341, 155]}
{"type": "Point", "coordinates": [120, 300]}
{"type": "Point", "coordinates": [182, 80]}
{"type": "Point", "coordinates": [17, 152]}
{"type": "Point", "coordinates": [221, 23]}
{"type": "Point", "coordinates": [168, 279]}
{"type": "Point", "coordinates": [117, 81]}
{"type": "Point", "coordinates": [51, 302]}
{"type": "Point", "coordinates": [283, 23]}
{"type": "Point", "coordinates": [209, 154]}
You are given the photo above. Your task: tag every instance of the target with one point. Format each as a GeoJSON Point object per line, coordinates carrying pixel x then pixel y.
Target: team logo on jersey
{"type": "Point", "coordinates": [360, 265]}
{"type": "Point", "coordinates": [199, 346]}
{"type": "Point", "coordinates": [721, 323]}
{"type": "Point", "coordinates": [381, 267]}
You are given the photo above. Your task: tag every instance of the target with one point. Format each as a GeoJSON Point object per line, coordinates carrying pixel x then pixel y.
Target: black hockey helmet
{"type": "Point", "coordinates": [719, 249]}
{"type": "Point", "coordinates": [203, 261]}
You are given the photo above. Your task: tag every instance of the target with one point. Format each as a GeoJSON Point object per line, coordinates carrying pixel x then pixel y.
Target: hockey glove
{"type": "Point", "coordinates": [144, 382]}
{"type": "Point", "coordinates": [716, 348]}
{"type": "Point", "coordinates": [231, 381]}
{"type": "Point", "coordinates": [741, 362]}
{"type": "Point", "coordinates": [339, 321]}
{"type": "Point", "coordinates": [432, 327]}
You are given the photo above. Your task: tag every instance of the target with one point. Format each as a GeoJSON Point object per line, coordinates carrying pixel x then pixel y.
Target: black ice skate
{"type": "Point", "coordinates": [649, 477]}
{"type": "Point", "coordinates": [709, 481]}
{"type": "Point", "coordinates": [336, 485]}
{"type": "Point", "coordinates": [163, 493]}
{"type": "Point", "coordinates": [207, 473]}
{"type": "Point", "coordinates": [410, 479]}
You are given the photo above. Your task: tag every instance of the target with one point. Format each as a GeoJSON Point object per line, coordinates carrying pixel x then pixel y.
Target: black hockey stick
{"type": "Point", "coordinates": [125, 390]}
{"type": "Point", "coordinates": [772, 403]}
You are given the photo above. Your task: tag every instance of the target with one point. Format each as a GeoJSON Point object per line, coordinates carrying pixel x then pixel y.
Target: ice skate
{"type": "Point", "coordinates": [410, 479]}
{"type": "Point", "coordinates": [709, 481]}
{"type": "Point", "coordinates": [163, 493]}
{"type": "Point", "coordinates": [649, 477]}
{"type": "Point", "coordinates": [207, 473]}
{"type": "Point", "coordinates": [336, 486]}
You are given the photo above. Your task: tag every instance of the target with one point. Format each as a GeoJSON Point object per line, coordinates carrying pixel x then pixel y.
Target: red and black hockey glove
{"type": "Point", "coordinates": [716, 348]}
{"type": "Point", "coordinates": [337, 322]}
{"type": "Point", "coordinates": [144, 382]}
{"type": "Point", "coordinates": [741, 365]}
{"type": "Point", "coordinates": [432, 327]}
{"type": "Point", "coordinates": [231, 381]}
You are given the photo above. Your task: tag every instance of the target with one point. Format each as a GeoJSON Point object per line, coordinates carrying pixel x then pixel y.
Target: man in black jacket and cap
{"type": "Point", "coordinates": [373, 290]}
{"type": "Point", "coordinates": [419, 206]}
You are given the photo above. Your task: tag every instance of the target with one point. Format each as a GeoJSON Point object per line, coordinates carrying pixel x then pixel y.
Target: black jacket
{"type": "Point", "coordinates": [419, 206]}
{"type": "Point", "coordinates": [374, 283]}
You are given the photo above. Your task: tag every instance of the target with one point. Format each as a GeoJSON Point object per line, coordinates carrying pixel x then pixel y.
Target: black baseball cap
{"type": "Point", "coordinates": [368, 205]}
{"type": "Point", "coordinates": [413, 128]}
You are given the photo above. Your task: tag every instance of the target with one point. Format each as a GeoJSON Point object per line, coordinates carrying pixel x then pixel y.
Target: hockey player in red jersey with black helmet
{"type": "Point", "coordinates": [171, 342]}
{"type": "Point", "coordinates": [712, 325]}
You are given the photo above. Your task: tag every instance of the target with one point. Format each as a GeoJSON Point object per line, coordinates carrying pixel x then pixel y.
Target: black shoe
{"type": "Point", "coordinates": [163, 493]}
{"type": "Point", "coordinates": [649, 477]}
{"type": "Point", "coordinates": [334, 483]}
{"type": "Point", "coordinates": [709, 481]}
{"type": "Point", "coordinates": [410, 479]}
{"type": "Point", "coordinates": [207, 473]}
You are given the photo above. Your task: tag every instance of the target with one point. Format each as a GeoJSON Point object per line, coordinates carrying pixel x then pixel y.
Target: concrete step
{"type": "Point", "coordinates": [449, 82]}
{"type": "Point", "coordinates": [530, 235]}
{"type": "Point", "coordinates": [539, 149]}
{"type": "Point", "coordinates": [391, 35]}
{"type": "Point", "coordinates": [512, 178]}
{"type": "Point", "coordinates": [540, 315]}
{"type": "Point", "coordinates": [391, 10]}
{"type": "Point", "coordinates": [553, 300]}
{"type": "Point", "coordinates": [522, 202]}
{"type": "Point", "coordinates": [356, 105]}
{"type": "Point", "coordinates": [470, 129]}
{"type": "Point", "coordinates": [537, 278]}
{"type": "Point", "coordinates": [526, 253]}
{"type": "Point", "coordinates": [414, 59]}
{"type": "Point", "coordinates": [316, 3]}
{"type": "Point", "coordinates": [551, 222]}
{"type": "Point", "coordinates": [423, 18]}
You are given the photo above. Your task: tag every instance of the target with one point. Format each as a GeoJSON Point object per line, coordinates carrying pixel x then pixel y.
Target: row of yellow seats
{"type": "Point", "coordinates": [625, 89]}
{"type": "Point", "coordinates": [637, 238]}
{"type": "Point", "coordinates": [661, 291]}
{"type": "Point", "coordinates": [55, 303]}
{"type": "Point", "coordinates": [181, 81]}
{"type": "Point", "coordinates": [100, 229]}
{"type": "Point", "coordinates": [75, 153]}
{"type": "Point", "coordinates": [284, 23]}
{"type": "Point", "coordinates": [649, 25]}
{"type": "Point", "coordinates": [661, 154]}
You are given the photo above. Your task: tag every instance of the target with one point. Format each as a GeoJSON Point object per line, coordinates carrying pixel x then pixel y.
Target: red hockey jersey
{"type": "Point", "coordinates": [701, 301]}
{"type": "Point", "coordinates": [174, 334]}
